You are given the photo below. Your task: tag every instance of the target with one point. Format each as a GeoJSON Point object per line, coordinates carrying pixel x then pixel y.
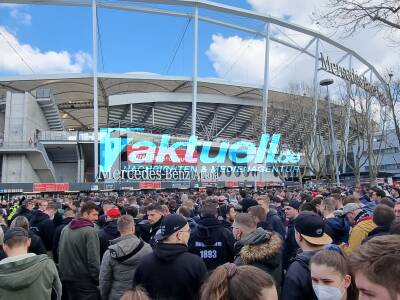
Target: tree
{"type": "Point", "coordinates": [393, 92]}
{"type": "Point", "coordinates": [355, 15]}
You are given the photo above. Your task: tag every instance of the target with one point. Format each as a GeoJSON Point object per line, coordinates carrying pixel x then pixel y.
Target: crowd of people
{"type": "Point", "coordinates": [326, 244]}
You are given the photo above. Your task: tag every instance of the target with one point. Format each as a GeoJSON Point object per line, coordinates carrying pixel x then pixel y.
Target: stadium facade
{"type": "Point", "coordinates": [50, 123]}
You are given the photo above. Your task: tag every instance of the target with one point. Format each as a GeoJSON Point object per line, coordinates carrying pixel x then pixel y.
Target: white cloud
{"type": "Point", "coordinates": [21, 17]}
{"type": "Point", "coordinates": [243, 59]}
{"type": "Point", "coordinates": [39, 61]}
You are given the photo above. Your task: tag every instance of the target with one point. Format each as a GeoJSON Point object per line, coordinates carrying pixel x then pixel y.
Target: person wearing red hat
{"type": "Point", "coordinates": [110, 230]}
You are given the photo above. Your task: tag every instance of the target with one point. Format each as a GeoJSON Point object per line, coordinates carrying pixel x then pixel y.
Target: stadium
{"type": "Point", "coordinates": [50, 124]}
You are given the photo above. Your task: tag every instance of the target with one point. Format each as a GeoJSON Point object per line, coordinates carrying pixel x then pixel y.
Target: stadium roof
{"type": "Point", "coordinates": [225, 111]}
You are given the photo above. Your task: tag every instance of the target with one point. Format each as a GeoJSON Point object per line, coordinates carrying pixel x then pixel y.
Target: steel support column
{"type": "Point", "coordinates": [195, 61]}
{"type": "Point", "coordinates": [315, 98]}
{"type": "Point", "coordinates": [264, 120]}
{"type": "Point", "coordinates": [347, 121]}
{"type": "Point", "coordinates": [95, 96]}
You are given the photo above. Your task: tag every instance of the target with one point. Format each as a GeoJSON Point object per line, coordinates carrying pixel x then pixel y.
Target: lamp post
{"type": "Point", "coordinates": [327, 83]}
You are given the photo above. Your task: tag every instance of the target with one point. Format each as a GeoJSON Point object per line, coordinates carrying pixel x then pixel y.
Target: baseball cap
{"type": "Point", "coordinates": [169, 225]}
{"type": "Point", "coordinates": [113, 213]}
{"type": "Point", "coordinates": [312, 228]}
{"type": "Point", "coordinates": [350, 207]}
{"type": "Point", "coordinates": [13, 232]}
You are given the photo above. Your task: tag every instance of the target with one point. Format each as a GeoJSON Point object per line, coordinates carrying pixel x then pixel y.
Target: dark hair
{"type": "Point", "coordinates": [379, 261]}
{"type": "Point", "coordinates": [16, 241]}
{"type": "Point", "coordinates": [383, 215]}
{"type": "Point", "coordinates": [316, 201]}
{"type": "Point", "coordinates": [338, 262]}
{"type": "Point", "coordinates": [224, 209]}
{"type": "Point", "coordinates": [132, 211]}
{"type": "Point", "coordinates": [395, 228]}
{"type": "Point", "coordinates": [229, 282]}
{"type": "Point", "coordinates": [380, 193]}
{"type": "Point", "coordinates": [184, 211]}
{"type": "Point", "coordinates": [307, 206]}
{"type": "Point", "coordinates": [209, 208]}
{"type": "Point", "coordinates": [257, 211]}
{"type": "Point", "coordinates": [155, 206]}
{"type": "Point", "coordinates": [88, 207]}
{"type": "Point", "coordinates": [387, 201]}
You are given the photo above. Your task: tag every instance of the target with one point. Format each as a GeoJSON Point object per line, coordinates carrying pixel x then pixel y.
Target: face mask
{"type": "Point", "coordinates": [324, 292]}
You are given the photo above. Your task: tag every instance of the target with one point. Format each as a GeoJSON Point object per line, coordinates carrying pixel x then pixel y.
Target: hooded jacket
{"type": "Point", "coordinates": [338, 229]}
{"type": "Point", "coordinates": [364, 225]}
{"type": "Point", "coordinates": [298, 284]}
{"type": "Point", "coordinates": [79, 252]}
{"type": "Point", "coordinates": [273, 223]}
{"type": "Point", "coordinates": [378, 231]}
{"type": "Point", "coordinates": [212, 242]}
{"type": "Point", "coordinates": [37, 245]}
{"type": "Point", "coordinates": [106, 234]}
{"type": "Point", "coordinates": [171, 273]}
{"type": "Point", "coordinates": [290, 249]}
{"type": "Point", "coordinates": [41, 224]}
{"type": "Point", "coordinates": [32, 277]}
{"type": "Point", "coordinates": [57, 235]}
{"type": "Point", "coordinates": [119, 265]}
{"type": "Point", "coordinates": [261, 249]}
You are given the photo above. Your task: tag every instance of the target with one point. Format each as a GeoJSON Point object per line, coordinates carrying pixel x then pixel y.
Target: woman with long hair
{"type": "Point", "coordinates": [331, 277]}
{"type": "Point", "coordinates": [230, 282]}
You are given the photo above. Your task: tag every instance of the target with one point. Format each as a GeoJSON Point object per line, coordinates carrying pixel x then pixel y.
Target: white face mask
{"type": "Point", "coordinates": [325, 292]}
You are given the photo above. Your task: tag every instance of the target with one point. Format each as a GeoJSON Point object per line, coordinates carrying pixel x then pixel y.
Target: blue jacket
{"type": "Point", "coordinates": [338, 229]}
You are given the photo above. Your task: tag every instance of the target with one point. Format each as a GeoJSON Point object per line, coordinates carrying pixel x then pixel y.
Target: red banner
{"type": "Point", "coordinates": [260, 184]}
{"type": "Point", "coordinates": [149, 185]}
{"type": "Point", "coordinates": [50, 187]}
{"type": "Point", "coordinates": [231, 183]}
{"type": "Point", "coordinates": [138, 156]}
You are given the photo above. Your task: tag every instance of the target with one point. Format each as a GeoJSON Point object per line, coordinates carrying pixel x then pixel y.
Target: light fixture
{"type": "Point", "coordinates": [65, 116]}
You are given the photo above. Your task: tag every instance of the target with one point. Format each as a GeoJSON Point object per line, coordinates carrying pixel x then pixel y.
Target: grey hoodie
{"type": "Point", "coordinates": [32, 277]}
{"type": "Point", "coordinates": [119, 265]}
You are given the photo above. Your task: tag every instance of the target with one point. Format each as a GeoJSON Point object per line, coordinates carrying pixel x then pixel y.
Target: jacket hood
{"type": "Point", "coordinates": [169, 252]}
{"type": "Point", "coordinates": [80, 223]}
{"type": "Point", "coordinates": [380, 230]}
{"type": "Point", "coordinates": [123, 246]}
{"type": "Point", "coordinates": [272, 213]}
{"type": "Point", "coordinates": [67, 220]}
{"type": "Point", "coordinates": [338, 225]}
{"type": "Point", "coordinates": [20, 274]}
{"type": "Point", "coordinates": [260, 247]}
{"type": "Point", "coordinates": [111, 228]}
{"type": "Point", "coordinates": [304, 257]}
{"type": "Point", "coordinates": [206, 228]}
{"type": "Point", "coordinates": [38, 217]}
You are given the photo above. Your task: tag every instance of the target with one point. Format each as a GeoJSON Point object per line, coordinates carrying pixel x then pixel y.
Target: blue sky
{"type": "Point", "coordinates": [56, 39]}
{"type": "Point", "coordinates": [130, 41]}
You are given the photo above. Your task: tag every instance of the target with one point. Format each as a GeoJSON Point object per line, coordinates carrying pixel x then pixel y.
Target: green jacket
{"type": "Point", "coordinates": [79, 252]}
{"type": "Point", "coordinates": [29, 278]}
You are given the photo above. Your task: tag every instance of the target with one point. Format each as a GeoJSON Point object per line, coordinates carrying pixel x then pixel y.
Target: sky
{"type": "Point", "coordinates": [39, 39]}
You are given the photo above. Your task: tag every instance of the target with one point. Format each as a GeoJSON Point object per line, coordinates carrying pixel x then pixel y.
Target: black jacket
{"type": "Point", "coordinates": [152, 232]}
{"type": "Point", "coordinates": [106, 234]}
{"type": "Point", "coordinates": [44, 227]}
{"type": "Point", "coordinates": [273, 223]}
{"type": "Point", "coordinates": [212, 242]}
{"type": "Point", "coordinates": [290, 249]}
{"type": "Point", "coordinates": [56, 237]}
{"type": "Point", "coordinates": [261, 249]}
{"type": "Point", "coordinates": [248, 202]}
{"type": "Point", "coordinates": [24, 212]}
{"type": "Point", "coordinates": [171, 273]}
{"type": "Point", "coordinates": [37, 245]}
{"type": "Point", "coordinates": [298, 284]}
{"type": "Point", "coordinates": [378, 231]}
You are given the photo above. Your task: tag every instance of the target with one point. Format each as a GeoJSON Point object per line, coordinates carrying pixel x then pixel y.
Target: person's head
{"type": "Point", "coordinates": [43, 205]}
{"type": "Point", "coordinates": [377, 195]}
{"type": "Point", "coordinates": [383, 215]}
{"type": "Point", "coordinates": [376, 266]}
{"type": "Point", "coordinates": [395, 192]}
{"type": "Point", "coordinates": [183, 211]}
{"type": "Point", "coordinates": [135, 294]}
{"type": "Point", "coordinates": [397, 210]}
{"type": "Point", "coordinates": [20, 221]}
{"type": "Point", "coordinates": [387, 201]}
{"type": "Point", "coordinates": [209, 209]}
{"type": "Point", "coordinates": [120, 202]}
{"type": "Point", "coordinates": [90, 211]}
{"type": "Point", "coordinates": [308, 206]}
{"type": "Point", "coordinates": [310, 231]}
{"type": "Point", "coordinates": [154, 213]}
{"type": "Point", "coordinates": [227, 212]}
{"type": "Point", "coordinates": [258, 213]}
{"type": "Point", "coordinates": [328, 206]}
{"type": "Point", "coordinates": [243, 225]}
{"type": "Point", "coordinates": [230, 282]}
{"type": "Point", "coordinates": [69, 213]}
{"type": "Point", "coordinates": [292, 209]}
{"type": "Point", "coordinates": [132, 211]}
{"type": "Point", "coordinates": [338, 200]}
{"type": "Point", "coordinates": [174, 229]}
{"type": "Point", "coordinates": [51, 209]}
{"type": "Point", "coordinates": [16, 241]}
{"type": "Point", "coordinates": [331, 276]}
{"type": "Point", "coordinates": [351, 211]}
{"type": "Point", "coordinates": [106, 205]}
{"type": "Point", "coordinates": [264, 202]}
{"type": "Point", "coordinates": [126, 225]}
{"type": "Point", "coordinates": [113, 214]}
